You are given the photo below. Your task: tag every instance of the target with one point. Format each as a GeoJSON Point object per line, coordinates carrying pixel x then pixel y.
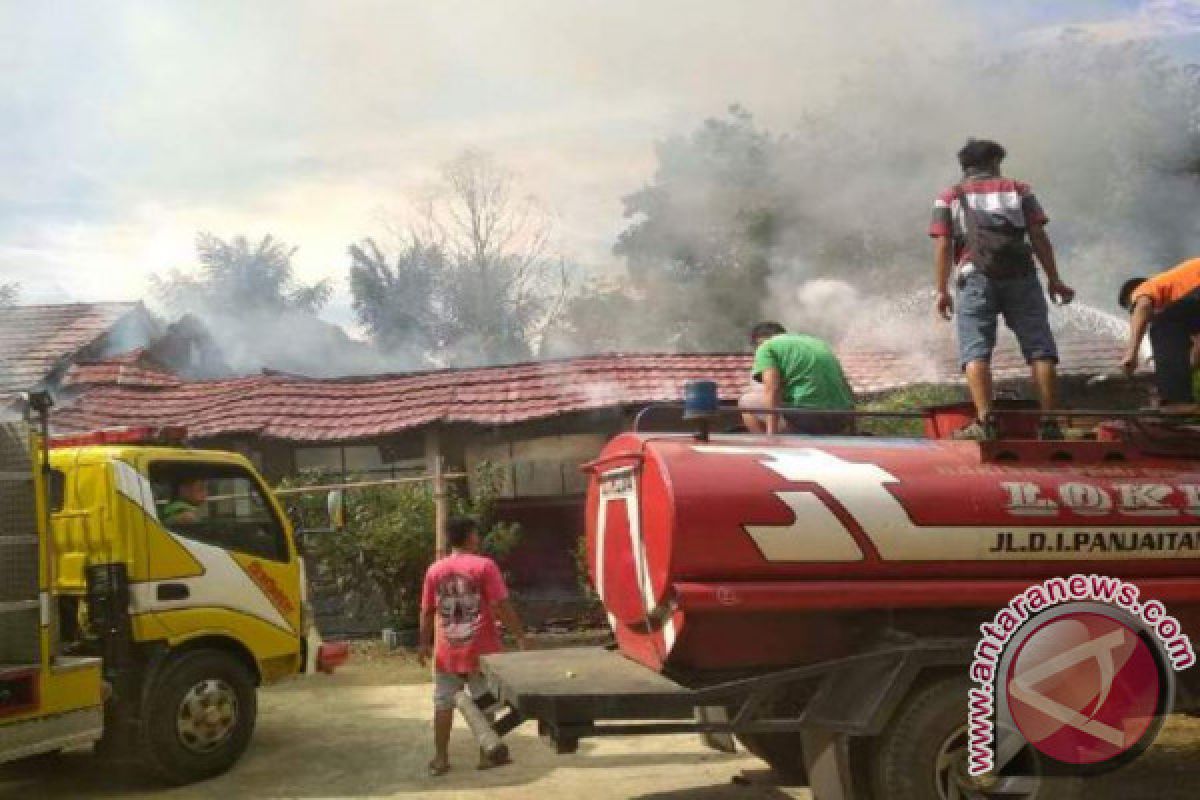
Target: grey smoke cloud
{"type": "Point", "coordinates": [1106, 133]}
{"type": "Point", "coordinates": [129, 127]}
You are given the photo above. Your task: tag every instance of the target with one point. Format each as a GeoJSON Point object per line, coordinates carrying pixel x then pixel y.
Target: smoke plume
{"type": "Point", "coordinates": [818, 215]}
{"type": "Point", "coordinates": [1106, 133]}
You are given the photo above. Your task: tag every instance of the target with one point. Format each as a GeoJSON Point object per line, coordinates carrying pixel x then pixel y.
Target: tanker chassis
{"type": "Point", "coordinates": [820, 599]}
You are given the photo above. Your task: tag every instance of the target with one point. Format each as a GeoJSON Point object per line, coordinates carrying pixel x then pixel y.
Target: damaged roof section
{"type": "Point", "coordinates": [341, 409]}
{"type": "Point", "coordinates": [72, 346]}
{"type": "Point", "coordinates": [135, 368]}
{"type": "Point", "coordinates": [177, 376]}
{"type": "Point", "coordinates": [39, 342]}
{"type": "Point", "coordinates": [303, 409]}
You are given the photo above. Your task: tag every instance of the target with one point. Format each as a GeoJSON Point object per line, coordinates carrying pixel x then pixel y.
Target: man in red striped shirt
{"type": "Point", "coordinates": [980, 226]}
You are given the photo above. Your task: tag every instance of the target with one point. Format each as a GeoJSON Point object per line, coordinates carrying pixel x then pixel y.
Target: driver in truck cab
{"type": "Point", "coordinates": [187, 502]}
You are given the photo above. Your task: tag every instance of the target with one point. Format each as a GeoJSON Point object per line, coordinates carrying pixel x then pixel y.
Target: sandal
{"type": "Point", "coordinates": [437, 770]}
{"type": "Point", "coordinates": [499, 759]}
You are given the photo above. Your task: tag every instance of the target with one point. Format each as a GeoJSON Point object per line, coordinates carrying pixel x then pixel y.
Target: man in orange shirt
{"type": "Point", "coordinates": [1169, 305]}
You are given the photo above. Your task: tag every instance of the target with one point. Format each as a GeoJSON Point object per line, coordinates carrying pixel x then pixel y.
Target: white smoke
{"type": "Point", "coordinates": [1107, 134]}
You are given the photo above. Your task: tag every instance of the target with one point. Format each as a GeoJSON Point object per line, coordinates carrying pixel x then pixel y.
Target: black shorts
{"type": "Point", "coordinates": [819, 424]}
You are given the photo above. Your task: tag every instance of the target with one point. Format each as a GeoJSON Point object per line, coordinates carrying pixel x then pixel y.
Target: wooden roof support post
{"type": "Point", "coordinates": [435, 466]}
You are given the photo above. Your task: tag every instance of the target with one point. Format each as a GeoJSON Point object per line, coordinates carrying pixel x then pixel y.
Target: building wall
{"type": "Point", "coordinates": [543, 489]}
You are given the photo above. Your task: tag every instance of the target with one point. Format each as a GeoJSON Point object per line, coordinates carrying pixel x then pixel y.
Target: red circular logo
{"type": "Point", "coordinates": [1084, 688]}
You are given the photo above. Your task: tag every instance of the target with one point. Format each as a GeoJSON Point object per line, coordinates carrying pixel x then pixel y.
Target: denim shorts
{"type": "Point", "coordinates": [1023, 305]}
{"type": "Point", "coordinates": [447, 685]}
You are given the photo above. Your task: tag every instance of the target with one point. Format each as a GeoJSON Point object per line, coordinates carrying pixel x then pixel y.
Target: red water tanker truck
{"type": "Point", "coordinates": [820, 599]}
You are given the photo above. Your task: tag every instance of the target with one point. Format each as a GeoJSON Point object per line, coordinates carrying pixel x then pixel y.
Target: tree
{"type": "Point", "coordinates": [260, 315]}
{"type": "Point", "coordinates": [483, 257]}
{"type": "Point", "coordinates": [388, 541]}
{"type": "Point", "coordinates": [8, 294]}
{"type": "Point", "coordinates": [701, 234]}
{"type": "Point", "coordinates": [397, 303]}
{"type": "Point", "coordinates": [237, 274]}
{"type": "Point", "coordinates": [601, 316]}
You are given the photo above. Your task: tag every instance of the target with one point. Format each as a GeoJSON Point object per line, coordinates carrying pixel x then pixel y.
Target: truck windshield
{"type": "Point", "coordinates": [217, 504]}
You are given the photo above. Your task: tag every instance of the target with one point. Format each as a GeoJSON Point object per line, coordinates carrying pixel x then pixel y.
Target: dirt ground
{"type": "Point", "coordinates": [365, 733]}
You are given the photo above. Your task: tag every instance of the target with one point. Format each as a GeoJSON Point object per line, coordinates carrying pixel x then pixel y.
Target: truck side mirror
{"type": "Point", "coordinates": [335, 504]}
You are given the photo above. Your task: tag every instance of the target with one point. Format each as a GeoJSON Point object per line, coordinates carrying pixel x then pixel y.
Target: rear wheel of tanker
{"type": "Point", "coordinates": [922, 755]}
{"type": "Point", "coordinates": [199, 716]}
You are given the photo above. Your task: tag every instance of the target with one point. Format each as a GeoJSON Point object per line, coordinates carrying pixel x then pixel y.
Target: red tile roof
{"type": "Point", "coordinates": [134, 368]}
{"type": "Point", "coordinates": [35, 339]}
{"type": "Point", "coordinates": [305, 409]}
{"type": "Point", "coordinates": [133, 390]}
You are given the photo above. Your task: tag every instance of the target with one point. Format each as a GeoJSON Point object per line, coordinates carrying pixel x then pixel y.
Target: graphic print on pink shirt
{"type": "Point", "coordinates": [459, 600]}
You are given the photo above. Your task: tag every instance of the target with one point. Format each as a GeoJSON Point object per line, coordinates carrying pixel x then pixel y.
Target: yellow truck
{"type": "Point", "coordinates": [146, 590]}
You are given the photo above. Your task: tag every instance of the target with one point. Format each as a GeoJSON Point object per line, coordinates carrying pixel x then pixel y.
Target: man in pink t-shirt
{"type": "Point", "coordinates": [463, 596]}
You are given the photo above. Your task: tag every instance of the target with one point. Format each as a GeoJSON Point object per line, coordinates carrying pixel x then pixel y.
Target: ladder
{"type": "Point", "coordinates": [20, 607]}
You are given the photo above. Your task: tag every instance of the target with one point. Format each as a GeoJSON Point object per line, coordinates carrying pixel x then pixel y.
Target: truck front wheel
{"type": "Point", "coordinates": [922, 755]}
{"type": "Point", "coordinates": [199, 716]}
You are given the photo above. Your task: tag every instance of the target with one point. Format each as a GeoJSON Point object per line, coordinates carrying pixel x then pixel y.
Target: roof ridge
{"type": "Point", "coordinates": [77, 304]}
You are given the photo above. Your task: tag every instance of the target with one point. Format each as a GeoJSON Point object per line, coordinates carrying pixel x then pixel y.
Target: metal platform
{"type": "Point", "coordinates": [574, 693]}
{"type": "Point", "coordinates": [584, 683]}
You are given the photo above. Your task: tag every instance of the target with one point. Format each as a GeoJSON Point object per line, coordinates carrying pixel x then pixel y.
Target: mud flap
{"type": "Point", "coordinates": [860, 701]}
{"type": "Point", "coordinates": [715, 715]}
{"type": "Point", "coordinates": [827, 762]}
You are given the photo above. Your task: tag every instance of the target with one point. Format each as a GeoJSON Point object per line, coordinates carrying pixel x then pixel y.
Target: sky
{"type": "Point", "coordinates": [127, 127]}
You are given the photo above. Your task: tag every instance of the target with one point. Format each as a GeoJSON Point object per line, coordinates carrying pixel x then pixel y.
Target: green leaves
{"type": "Point", "coordinates": [476, 279]}
{"type": "Point", "coordinates": [240, 274]}
{"type": "Point", "coordinates": [388, 542]}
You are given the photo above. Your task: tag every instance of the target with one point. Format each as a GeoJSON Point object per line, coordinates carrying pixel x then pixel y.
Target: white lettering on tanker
{"type": "Point", "coordinates": [861, 490]}
{"type": "Point", "coordinates": [815, 534]}
{"type": "Point", "coordinates": [1132, 499]}
{"type": "Point", "coordinates": [1024, 500]}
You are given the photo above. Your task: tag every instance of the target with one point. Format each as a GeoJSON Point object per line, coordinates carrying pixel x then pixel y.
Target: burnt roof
{"type": "Point", "coordinates": [35, 340]}
{"type": "Point", "coordinates": [274, 405]}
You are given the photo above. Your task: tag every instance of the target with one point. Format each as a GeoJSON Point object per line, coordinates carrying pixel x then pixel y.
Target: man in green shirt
{"type": "Point", "coordinates": [186, 506]}
{"type": "Point", "coordinates": [795, 371]}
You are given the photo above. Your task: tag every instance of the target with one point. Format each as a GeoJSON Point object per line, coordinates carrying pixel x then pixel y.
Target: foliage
{"type": "Point", "coordinates": [579, 555]}
{"type": "Point", "coordinates": [258, 313]}
{"type": "Point", "coordinates": [480, 265]}
{"type": "Point", "coordinates": [388, 540]}
{"type": "Point", "coordinates": [8, 294]}
{"type": "Point", "coordinates": [587, 326]}
{"type": "Point", "coordinates": [701, 234]}
{"type": "Point", "coordinates": [911, 398]}
{"type": "Point", "coordinates": [397, 303]}
{"type": "Point", "coordinates": [239, 274]}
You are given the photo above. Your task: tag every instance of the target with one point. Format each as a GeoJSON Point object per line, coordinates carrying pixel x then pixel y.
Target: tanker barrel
{"type": "Point", "coordinates": [481, 728]}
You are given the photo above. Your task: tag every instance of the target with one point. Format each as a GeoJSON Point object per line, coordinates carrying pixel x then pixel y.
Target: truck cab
{"type": "Point", "coordinates": [170, 587]}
